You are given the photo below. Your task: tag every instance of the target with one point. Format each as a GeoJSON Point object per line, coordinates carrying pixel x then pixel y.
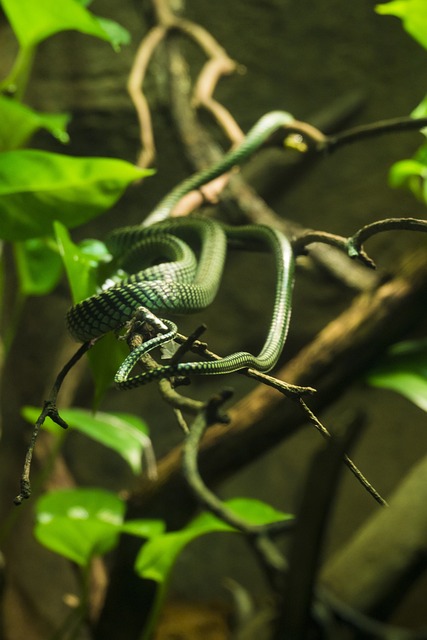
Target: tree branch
{"type": "Point", "coordinates": [341, 352]}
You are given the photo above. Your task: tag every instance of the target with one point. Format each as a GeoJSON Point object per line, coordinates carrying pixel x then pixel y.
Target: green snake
{"type": "Point", "coordinates": [162, 274]}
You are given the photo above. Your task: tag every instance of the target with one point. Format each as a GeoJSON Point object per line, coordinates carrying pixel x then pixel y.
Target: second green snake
{"type": "Point", "coordinates": [164, 276]}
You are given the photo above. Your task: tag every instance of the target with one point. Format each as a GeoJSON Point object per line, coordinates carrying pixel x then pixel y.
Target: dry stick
{"type": "Point", "coordinates": [203, 152]}
{"type": "Point", "coordinates": [191, 473]}
{"type": "Point", "coordinates": [295, 393]}
{"type": "Point", "coordinates": [375, 129]}
{"type": "Point", "coordinates": [60, 476]}
{"type": "Point", "coordinates": [272, 560]}
{"type": "Point", "coordinates": [134, 86]}
{"type": "Point", "coordinates": [204, 89]}
{"type": "Point", "coordinates": [49, 410]}
{"type": "Point", "coordinates": [339, 354]}
{"type": "Point", "coordinates": [353, 246]}
{"type": "Point", "coordinates": [219, 63]}
{"type": "Point", "coordinates": [347, 461]}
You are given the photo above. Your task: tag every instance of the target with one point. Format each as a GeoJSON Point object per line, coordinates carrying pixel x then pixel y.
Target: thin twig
{"type": "Point", "coordinates": [135, 89]}
{"type": "Point", "coordinates": [331, 239]}
{"type": "Point", "coordinates": [294, 392]}
{"type": "Point", "coordinates": [287, 389]}
{"type": "Point", "coordinates": [218, 64]}
{"type": "Point", "coordinates": [204, 89]}
{"type": "Point", "coordinates": [178, 402]}
{"type": "Point", "coordinates": [273, 561]}
{"type": "Point", "coordinates": [373, 130]}
{"type": "Point", "coordinates": [49, 410]}
{"type": "Point", "coordinates": [348, 461]}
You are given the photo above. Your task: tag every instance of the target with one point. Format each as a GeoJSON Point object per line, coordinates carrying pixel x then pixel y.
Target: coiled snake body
{"type": "Point", "coordinates": [166, 277]}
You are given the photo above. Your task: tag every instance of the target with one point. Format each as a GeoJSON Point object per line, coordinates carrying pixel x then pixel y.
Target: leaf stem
{"type": "Point", "coordinates": [16, 82]}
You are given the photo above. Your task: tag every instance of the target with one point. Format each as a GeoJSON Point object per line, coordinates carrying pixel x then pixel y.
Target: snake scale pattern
{"type": "Point", "coordinates": [174, 265]}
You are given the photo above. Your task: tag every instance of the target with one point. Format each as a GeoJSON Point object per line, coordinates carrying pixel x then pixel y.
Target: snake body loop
{"type": "Point", "coordinates": [165, 277]}
{"type": "Point", "coordinates": [264, 238]}
{"type": "Point", "coordinates": [110, 309]}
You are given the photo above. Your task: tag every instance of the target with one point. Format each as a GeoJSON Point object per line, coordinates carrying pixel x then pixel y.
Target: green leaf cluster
{"type": "Point", "coordinates": [157, 557]}
{"type": "Point", "coordinates": [81, 523]}
{"type": "Point", "coordinates": [42, 194]}
{"type": "Point", "coordinates": [411, 173]}
{"type": "Point", "coordinates": [37, 188]}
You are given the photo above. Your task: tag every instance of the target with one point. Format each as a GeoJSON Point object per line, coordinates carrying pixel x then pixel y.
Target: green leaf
{"type": "Point", "coordinates": [413, 13]}
{"type": "Point", "coordinates": [18, 123]}
{"type": "Point", "coordinates": [412, 174]}
{"type": "Point", "coordinates": [39, 265]}
{"type": "Point", "coordinates": [404, 370]}
{"type": "Point", "coordinates": [81, 523]}
{"type": "Point", "coordinates": [124, 433]}
{"type": "Point", "coordinates": [117, 35]}
{"type": "Point", "coordinates": [37, 187]}
{"type": "Point", "coordinates": [409, 174]}
{"type": "Point", "coordinates": [420, 110]}
{"type": "Point", "coordinates": [81, 268]}
{"type": "Point", "coordinates": [157, 557]}
{"type": "Point", "coordinates": [31, 415]}
{"type": "Point", "coordinates": [105, 358]}
{"type": "Point", "coordinates": [33, 21]}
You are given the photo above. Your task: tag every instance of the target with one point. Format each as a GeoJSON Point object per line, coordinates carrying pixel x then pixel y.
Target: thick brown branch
{"type": "Point", "coordinates": [336, 356]}
{"type": "Point", "coordinates": [387, 552]}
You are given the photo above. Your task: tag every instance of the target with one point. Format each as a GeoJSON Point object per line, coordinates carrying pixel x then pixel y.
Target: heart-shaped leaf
{"type": "Point", "coordinates": [81, 523]}
{"type": "Point", "coordinates": [37, 188]}
{"type": "Point", "coordinates": [124, 433]}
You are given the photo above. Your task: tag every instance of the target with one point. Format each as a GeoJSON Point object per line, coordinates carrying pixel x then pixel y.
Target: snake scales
{"type": "Point", "coordinates": [164, 275]}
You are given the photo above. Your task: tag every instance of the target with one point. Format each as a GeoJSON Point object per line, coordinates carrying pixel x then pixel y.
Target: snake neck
{"type": "Point", "coordinates": [255, 138]}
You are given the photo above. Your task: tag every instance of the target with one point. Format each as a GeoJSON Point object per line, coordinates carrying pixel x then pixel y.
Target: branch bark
{"type": "Point", "coordinates": [340, 353]}
{"type": "Point", "coordinates": [387, 553]}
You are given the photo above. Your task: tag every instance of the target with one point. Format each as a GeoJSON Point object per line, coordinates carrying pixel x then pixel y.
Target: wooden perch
{"type": "Point", "coordinates": [341, 352]}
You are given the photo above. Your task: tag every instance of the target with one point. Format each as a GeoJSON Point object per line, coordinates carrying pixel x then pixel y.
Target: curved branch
{"type": "Point", "coordinates": [394, 125]}
{"type": "Point", "coordinates": [354, 244]}
{"type": "Point", "coordinates": [134, 87]}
